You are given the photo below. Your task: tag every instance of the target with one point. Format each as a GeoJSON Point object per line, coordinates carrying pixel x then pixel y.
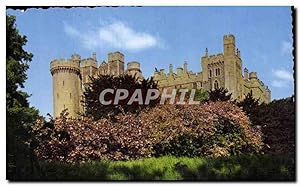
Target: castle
{"type": "Point", "coordinates": [221, 70]}
{"type": "Point", "coordinates": [71, 75]}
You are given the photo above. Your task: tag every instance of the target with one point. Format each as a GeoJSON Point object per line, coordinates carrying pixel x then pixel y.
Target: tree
{"type": "Point", "coordinates": [94, 108]}
{"type": "Point", "coordinates": [250, 105]}
{"type": "Point", "coordinates": [18, 113]}
{"type": "Point", "coordinates": [219, 94]}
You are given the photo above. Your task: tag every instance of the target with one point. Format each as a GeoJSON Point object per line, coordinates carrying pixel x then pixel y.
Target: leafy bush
{"type": "Point", "coordinates": [251, 106]}
{"type": "Point", "coordinates": [93, 107]}
{"type": "Point", "coordinates": [219, 94]}
{"type": "Point", "coordinates": [213, 129]}
{"type": "Point", "coordinates": [277, 120]}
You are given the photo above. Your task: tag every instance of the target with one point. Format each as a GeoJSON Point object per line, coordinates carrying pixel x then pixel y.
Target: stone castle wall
{"type": "Point", "coordinates": [69, 77]}
{"type": "Point", "coordinates": [219, 70]}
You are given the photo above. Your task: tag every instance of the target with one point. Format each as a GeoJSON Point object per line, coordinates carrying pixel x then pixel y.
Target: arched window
{"type": "Point", "coordinates": [218, 71]}
{"type": "Point", "coordinates": [210, 73]}
{"type": "Point", "coordinates": [216, 84]}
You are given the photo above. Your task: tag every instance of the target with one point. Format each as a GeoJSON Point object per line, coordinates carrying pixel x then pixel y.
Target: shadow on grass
{"type": "Point", "coordinates": [237, 168]}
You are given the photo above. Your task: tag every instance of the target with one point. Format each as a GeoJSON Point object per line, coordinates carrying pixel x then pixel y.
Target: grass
{"type": "Point", "coordinates": [168, 168]}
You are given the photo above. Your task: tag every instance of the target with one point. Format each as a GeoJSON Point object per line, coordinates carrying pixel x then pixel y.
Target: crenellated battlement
{"type": "Point", "coordinates": [88, 62]}
{"type": "Point", "coordinates": [219, 70]}
{"type": "Point", "coordinates": [70, 65]}
{"type": "Point", "coordinates": [115, 56]}
{"type": "Point", "coordinates": [133, 65]}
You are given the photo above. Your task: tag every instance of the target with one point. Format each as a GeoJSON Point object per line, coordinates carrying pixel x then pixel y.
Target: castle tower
{"type": "Point", "coordinates": [185, 70]}
{"type": "Point", "coordinates": [88, 68]}
{"type": "Point", "coordinates": [232, 68]}
{"type": "Point", "coordinates": [115, 63]}
{"type": "Point", "coordinates": [66, 85]}
{"type": "Point", "coordinates": [246, 74]}
{"type": "Point", "coordinates": [170, 69]}
{"type": "Point", "coordinates": [133, 68]}
{"type": "Point", "coordinates": [229, 45]}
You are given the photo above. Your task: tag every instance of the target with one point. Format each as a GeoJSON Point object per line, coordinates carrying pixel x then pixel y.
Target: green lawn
{"type": "Point", "coordinates": [256, 168]}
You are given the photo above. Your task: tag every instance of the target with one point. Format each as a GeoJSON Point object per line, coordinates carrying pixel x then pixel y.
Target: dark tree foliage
{"type": "Point", "coordinates": [277, 120]}
{"type": "Point", "coordinates": [250, 105]}
{"type": "Point", "coordinates": [219, 94]}
{"type": "Point", "coordinates": [94, 108]}
{"type": "Point", "coordinates": [19, 115]}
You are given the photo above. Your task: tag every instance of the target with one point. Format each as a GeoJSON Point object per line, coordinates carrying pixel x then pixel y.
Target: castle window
{"type": "Point", "coordinates": [63, 83]}
{"type": "Point", "coordinates": [218, 71]}
{"type": "Point", "coordinates": [216, 85]}
{"type": "Point", "coordinates": [210, 73]}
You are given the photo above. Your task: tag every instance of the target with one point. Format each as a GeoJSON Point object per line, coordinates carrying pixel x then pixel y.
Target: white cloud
{"type": "Point", "coordinates": [283, 75]}
{"type": "Point", "coordinates": [283, 78]}
{"type": "Point", "coordinates": [116, 35]}
{"type": "Point", "coordinates": [286, 48]}
{"type": "Point", "coordinates": [279, 83]}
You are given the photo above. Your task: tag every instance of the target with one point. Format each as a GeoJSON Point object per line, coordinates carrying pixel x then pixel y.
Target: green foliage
{"type": "Point", "coordinates": [19, 115]}
{"type": "Point", "coordinates": [219, 94]}
{"type": "Point", "coordinates": [234, 168]}
{"type": "Point", "coordinates": [92, 91]}
{"type": "Point", "coordinates": [201, 95]}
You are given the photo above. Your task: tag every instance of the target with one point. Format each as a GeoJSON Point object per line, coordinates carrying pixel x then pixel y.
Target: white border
{"type": "Point", "coordinates": [5, 3]}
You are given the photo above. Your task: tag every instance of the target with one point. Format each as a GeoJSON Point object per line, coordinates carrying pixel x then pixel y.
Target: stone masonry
{"type": "Point", "coordinates": [220, 70]}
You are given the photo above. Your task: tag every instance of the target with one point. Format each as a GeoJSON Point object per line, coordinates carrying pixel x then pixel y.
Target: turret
{"type": "Point", "coordinates": [246, 74]}
{"type": "Point", "coordinates": [88, 68]}
{"type": "Point", "coordinates": [66, 85]}
{"type": "Point", "coordinates": [185, 67]}
{"type": "Point", "coordinates": [170, 69]}
{"type": "Point", "coordinates": [133, 68]}
{"type": "Point", "coordinates": [238, 53]}
{"type": "Point", "coordinates": [229, 45]}
{"type": "Point", "coordinates": [115, 63]}
{"type": "Point", "coordinates": [252, 75]}
{"type": "Point", "coordinates": [94, 56]}
{"type": "Point", "coordinates": [179, 71]}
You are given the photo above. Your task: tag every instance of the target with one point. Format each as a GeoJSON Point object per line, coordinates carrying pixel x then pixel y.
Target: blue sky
{"type": "Point", "coordinates": [156, 37]}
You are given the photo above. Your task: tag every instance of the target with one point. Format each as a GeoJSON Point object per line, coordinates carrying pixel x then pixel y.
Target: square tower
{"type": "Point", "coordinates": [115, 63]}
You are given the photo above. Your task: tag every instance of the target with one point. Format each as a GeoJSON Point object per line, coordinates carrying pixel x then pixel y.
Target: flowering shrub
{"type": "Point", "coordinates": [213, 129]}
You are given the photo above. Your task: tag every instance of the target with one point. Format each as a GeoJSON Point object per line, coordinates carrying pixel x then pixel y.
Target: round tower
{"type": "Point", "coordinates": [66, 85]}
{"type": "Point", "coordinates": [133, 68]}
{"type": "Point", "coordinates": [252, 75]}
